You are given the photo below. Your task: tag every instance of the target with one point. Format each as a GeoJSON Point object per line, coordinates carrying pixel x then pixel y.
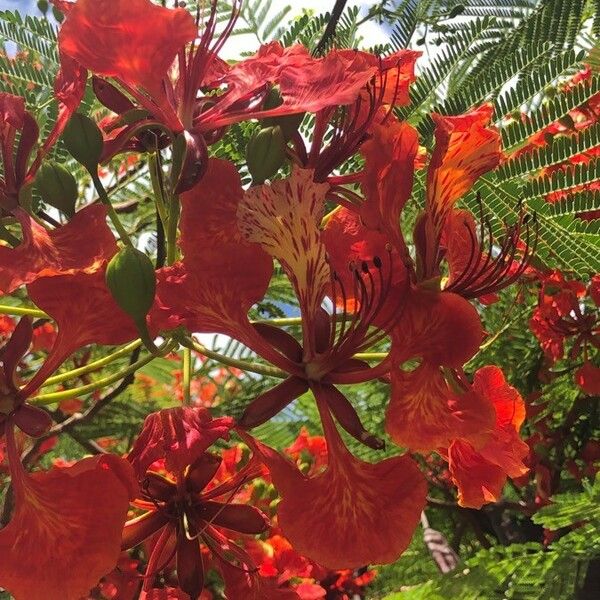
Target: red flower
{"type": "Point", "coordinates": [480, 473]}
{"type": "Point", "coordinates": [179, 435]}
{"type": "Point", "coordinates": [352, 513]}
{"type": "Point", "coordinates": [79, 509]}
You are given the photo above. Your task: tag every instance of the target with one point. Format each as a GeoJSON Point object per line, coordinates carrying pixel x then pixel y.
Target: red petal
{"type": "Point", "coordinates": [587, 378]}
{"type": "Point", "coordinates": [221, 275]}
{"type": "Point", "coordinates": [243, 582]}
{"type": "Point", "coordinates": [388, 176]}
{"type": "Point", "coordinates": [132, 40]}
{"type": "Point", "coordinates": [398, 74]}
{"type": "Point", "coordinates": [179, 435]}
{"type": "Point", "coordinates": [424, 414]}
{"type": "Point", "coordinates": [478, 481]}
{"type": "Point", "coordinates": [82, 245]}
{"type": "Point", "coordinates": [85, 313]}
{"type": "Point", "coordinates": [440, 327]}
{"type": "Point", "coordinates": [242, 518]}
{"type": "Point", "coordinates": [480, 475]}
{"type": "Point", "coordinates": [77, 512]}
{"type": "Point", "coordinates": [306, 84]}
{"type": "Point", "coordinates": [465, 149]}
{"type": "Point", "coordinates": [351, 514]}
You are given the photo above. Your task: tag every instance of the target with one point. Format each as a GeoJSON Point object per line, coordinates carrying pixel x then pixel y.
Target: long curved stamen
{"type": "Point", "coordinates": [497, 270]}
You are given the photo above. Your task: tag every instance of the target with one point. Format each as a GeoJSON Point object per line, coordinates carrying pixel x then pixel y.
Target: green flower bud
{"type": "Point", "coordinates": [83, 140]}
{"type": "Point", "coordinates": [131, 280]}
{"type": "Point", "coordinates": [289, 123]}
{"type": "Point", "coordinates": [43, 6]}
{"type": "Point", "coordinates": [57, 187]}
{"type": "Point", "coordinates": [265, 153]}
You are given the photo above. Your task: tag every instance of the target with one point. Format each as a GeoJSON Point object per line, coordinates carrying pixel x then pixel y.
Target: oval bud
{"type": "Point", "coordinates": [57, 187]}
{"type": "Point", "coordinates": [43, 6]}
{"type": "Point", "coordinates": [131, 280]}
{"type": "Point", "coordinates": [289, 123]}
{"type": "Point", "coordinates": [265, 153]}
{"type": "Point", "coordinates": [83, 140]}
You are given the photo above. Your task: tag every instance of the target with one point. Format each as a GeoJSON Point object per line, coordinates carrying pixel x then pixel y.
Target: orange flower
{"type": "Point", "coordinates": [80, 510]}
{"type": "Point", "coordinates": [480, 473]}
{"type": "Point", "coordinates": [352, 513]}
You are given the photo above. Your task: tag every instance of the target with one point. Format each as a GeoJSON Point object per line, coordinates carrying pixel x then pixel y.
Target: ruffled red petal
{"type": "Point", "coordinates": [65, 533]}
{"type": "Point", "coordinates": [221, 275]}
{"type": "Point", "coordinates": [388, 176]}
{"type": "Point", "coordinates": [80, 246]}
{"type": "Point", "coordinates": [480, 474]}
{"type": "Point", "coordinates": [132, 40]}
{"type": "Point", "coordinates": [179, 435]}
{"type": "Point", "coordinates": [440, 327]}
{"type": "Point", "coordinates": [466, 148]}
{"type": "Point", "coordinates": [424, 414]}
{"type": "Point", "coordinates": [351, 514]}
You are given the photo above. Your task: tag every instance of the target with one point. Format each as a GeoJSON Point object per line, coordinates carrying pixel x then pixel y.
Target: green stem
{"type": "Point", "coordinates": [53, 397]}
{"type": "Point", "coordinates": [19, 311]}
{"type": "Point", "coordinates": [172, 230]}
{"type": "Point", "coordinates": [187, 376]}
{"type": "Point", "coordinates": [111, 211]}
{"type": "Point", "coordinates": [234, 362]}
{"type": "Point", "coordinates": [93, 366]}
{"type": "Point", "coordinates": [157, 187]}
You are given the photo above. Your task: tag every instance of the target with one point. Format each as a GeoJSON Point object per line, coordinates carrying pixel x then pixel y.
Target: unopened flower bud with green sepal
{"type": "Point", "coordinates": [83, 140]}
{"type": "Point", "coordinates": [265, 153]}
{"type": "Point", "coordinates": [57, 187]}
{"type": "Point", "coordinates": [131, 279]}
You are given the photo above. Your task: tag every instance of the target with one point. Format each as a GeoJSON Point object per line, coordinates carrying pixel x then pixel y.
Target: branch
{"type": "Point", "coordinates": [329, 32]}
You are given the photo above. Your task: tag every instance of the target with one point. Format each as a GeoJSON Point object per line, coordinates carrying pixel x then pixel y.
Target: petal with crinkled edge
{"type": "Point", "coordinates": [221, 275]}
{"type": "Point", "coordinates": [306, 84]}
{"type": "Point", "coordinates": [377, 504]}
{"type": "Point", "coordinates": [132, 40]}
{"type": "Point", "coordinates": [85, 312]}
{"type": "Point", "coordinates": [424, 414]}
{"type": "Point", "coordinates": [283, 218]}
{"type": "Point", "coordinates": [80, 246]}
{"type": "Point", "coordinates": [440, 327]}
{"type": "Point", "coordinates": [466, 147]}
{"type": "Point", "coordinates": [65, 533]}
{"type": "Point", "coordinates": [481, 474]}
{"type": "Point", "coordinates": [180, 435]}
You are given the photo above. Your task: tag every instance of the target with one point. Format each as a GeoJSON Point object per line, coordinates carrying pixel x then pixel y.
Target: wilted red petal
{"type": "Point", "coordinates": [424, 414]}
{"type": "Point", "coordinates": [440, 327]}
{"type": "Point", "coordinates": [80, 246]}
{"type": "Point", "coordinates": [465, 148]}
{"type": "Point", "coordinates": [587, 378]}
{"type": "Point", "coordinates": [284, 218]}
{"type": "Point", "coordinates": [179, 435]}
{"type": "Point", "coordinates": [351, 514]}
{"type": "Point", "coordinates": [221, 275]}
{"type": "Point", "coordinates": [480, 474]}
{"type": "Point", "coordinates": [132, 40]}
{"type": "Point", "coordinates": [65, 533]}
